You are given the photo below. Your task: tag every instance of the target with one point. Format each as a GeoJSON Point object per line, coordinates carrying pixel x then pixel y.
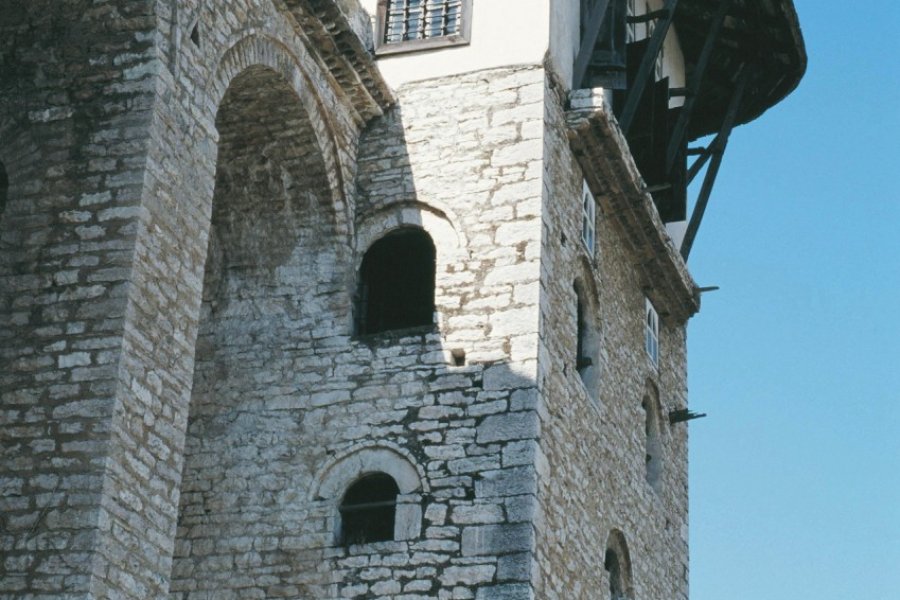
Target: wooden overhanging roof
{"type": "Point", "coordinates": [764, 34]}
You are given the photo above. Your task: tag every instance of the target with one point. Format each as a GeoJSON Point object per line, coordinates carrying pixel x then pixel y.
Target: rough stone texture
{"type": "Point", "coordinates": [593, 473]}
{"type": "Point", "coordinates": [183, 397]}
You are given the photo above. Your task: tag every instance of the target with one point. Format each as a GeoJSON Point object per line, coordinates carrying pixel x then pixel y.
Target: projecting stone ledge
{"type": "Point", "coordinates": [613, 177]}
{"type": "Point", "coordinates": [341, 48]}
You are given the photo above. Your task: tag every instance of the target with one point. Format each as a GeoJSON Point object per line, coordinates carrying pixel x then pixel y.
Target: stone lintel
{"type": "Point", "coordinates": [343, 53]}
{"type": "Point", "coordinates": [610, 171]}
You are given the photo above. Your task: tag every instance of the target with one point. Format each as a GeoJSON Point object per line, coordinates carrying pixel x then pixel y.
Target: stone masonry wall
{"type": "Point", "coordinates": [290, 407]}
{"type": "Point", "coordinates": [593, 476]}
{"type": "Point", "coordinates": [75, 105]}
{"type": "Point", "coordinates": [107, 132]}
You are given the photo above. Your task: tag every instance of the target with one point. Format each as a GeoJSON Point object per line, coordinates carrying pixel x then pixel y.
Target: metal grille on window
{"type": "Point", "coordinates": [421, 19]}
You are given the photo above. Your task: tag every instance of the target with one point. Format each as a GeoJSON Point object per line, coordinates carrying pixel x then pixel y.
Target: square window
{"type": "Point", "coordinates": [409, 25]}
{"type": "Point", "coordinates": [651, 332]}
{"type": "Point", "coordinates": [588, 219]}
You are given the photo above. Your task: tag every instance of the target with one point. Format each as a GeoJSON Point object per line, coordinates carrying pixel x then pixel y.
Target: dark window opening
{"type": "Point", "coordinates": [617, 563]}
{"type": "Point", "coordinates": [587, 342]}
{"type": "Point", "coordinates": [606, 65]}
{"type": "Point", "coordinates": [397, 283]}
{"type": "Point", "coordinates": [582, 359]}
{"type": "Point", "coordinates": [195, 35]}
{"type": "Point", "coordinates": [652, 443]}
{"type": "Point", "coordinates": [368, 510]}
{"type": "Point", "coordinates": [648, 138]}
{"type": "Point", "coordinates": [616, 580]}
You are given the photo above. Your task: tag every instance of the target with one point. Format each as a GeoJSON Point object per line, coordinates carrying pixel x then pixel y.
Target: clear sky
{"type": "Point", "coordinates": [795, 474]}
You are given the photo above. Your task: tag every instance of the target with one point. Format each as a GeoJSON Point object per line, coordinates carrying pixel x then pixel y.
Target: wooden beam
{"type": "Point", "coordinates": [589, 41]}
{"type": "Point", "coordinates": [684, 119]}
{"type": "Point", "coordinates": [717, 150]}
{"type": "Point", "coordinates": [645, 71]}
{"type": "Point", "coordinates": [698, 164]}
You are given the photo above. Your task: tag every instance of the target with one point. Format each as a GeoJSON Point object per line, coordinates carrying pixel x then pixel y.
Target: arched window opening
{"type": "Point", "coordinates": [368, 510]}
{"type": "Point", "coordinates": [617, 563]}
{"type": "Point", "coordinates": [4, 188]}
{"type": "Point", "coordinates": [613, 568]}
{"type": "Point", "coordinates": [397, 283]}
{"type": "Point", "coordinates": [652, 441]}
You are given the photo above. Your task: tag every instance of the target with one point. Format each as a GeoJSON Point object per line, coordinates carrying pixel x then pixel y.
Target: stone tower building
{"type": "Point", "coordinates": [323, 299]}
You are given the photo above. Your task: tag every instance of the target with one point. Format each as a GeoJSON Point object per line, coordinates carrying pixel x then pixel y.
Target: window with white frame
{"type": "Point", "coordinates": [588, 219]}
{"type": "Point", "coordinates": [407, 25]}
{"type": "Point", "coordinates": [651, 332]}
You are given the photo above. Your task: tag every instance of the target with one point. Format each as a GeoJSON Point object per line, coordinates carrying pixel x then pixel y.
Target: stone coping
{"type": "Point", "coordinates": [347, 57]}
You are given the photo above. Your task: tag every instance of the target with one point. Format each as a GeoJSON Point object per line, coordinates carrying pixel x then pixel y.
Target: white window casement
{"type": "Point", "coordinates": [651, 332]}
{"type": "Point", "coordinates": [410, 25]}
{"type": "Point", "coordinates": [588, 219]}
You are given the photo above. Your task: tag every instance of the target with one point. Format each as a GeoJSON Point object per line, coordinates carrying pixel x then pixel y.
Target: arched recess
{"type": "Point", "coordinates": [617, 564]}
{"type": "Point", "coordinates": [344, 471]}
{"type": "Point", "coordinates": [449, 242]}
{"type": "Point", "coordinates": [271, 294]}
{"type": "Point", "coordinates": [653, 443]}
{"type": "Point", "coordinates": [449, 249]}
{"type": "Point", "coordinates": [587, 333]}
{"type": "Point", "coordinates": [396, 283]}
{"type": "Point", "coordinates": [255, 50]}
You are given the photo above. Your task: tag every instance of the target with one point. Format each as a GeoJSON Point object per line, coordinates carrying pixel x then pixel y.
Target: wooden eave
{"type": "Point", "coordinates": [344, 54]}
{"type": "Point", "coordinates": [765, 33]}
{"type": "Point", "coordinates": [608, 167]}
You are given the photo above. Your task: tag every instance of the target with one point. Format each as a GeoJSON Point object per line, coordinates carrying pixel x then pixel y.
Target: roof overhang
{"type": "Point", "coordinates": [763, 35]}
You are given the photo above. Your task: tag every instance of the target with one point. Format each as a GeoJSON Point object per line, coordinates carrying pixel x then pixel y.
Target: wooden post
{"type": "Point", "coordinates": [716, 150]}
{"type": "Point", "coordinates": [693, 87]}
{"type": "Point", "coordinates": [589, 41]}
{"type": "Point", "coordinates": [645, 71]}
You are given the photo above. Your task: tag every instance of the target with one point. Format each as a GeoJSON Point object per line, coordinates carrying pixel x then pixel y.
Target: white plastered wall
{"type": "Point", "coordinates": [504, 33]}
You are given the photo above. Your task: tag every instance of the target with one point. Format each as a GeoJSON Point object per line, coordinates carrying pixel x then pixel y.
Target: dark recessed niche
{"type": "Point", "coordinates": [195, 34]}
{"type": "Point", "coordinates": [368, 510]}
{"type": "Point", "coordinates": [396, 288]}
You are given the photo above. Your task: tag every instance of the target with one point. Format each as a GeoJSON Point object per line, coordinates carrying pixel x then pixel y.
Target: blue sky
{"type": "Point", "coordinates": [795, 474]}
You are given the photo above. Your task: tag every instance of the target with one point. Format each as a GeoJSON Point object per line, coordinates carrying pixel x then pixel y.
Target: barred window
{"type": "Point", "coordinates": [406, 25]}
{"type": "Point", "coordinates": [368, 510]}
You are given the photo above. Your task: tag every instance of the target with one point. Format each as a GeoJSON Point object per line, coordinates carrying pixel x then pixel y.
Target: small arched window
{"type": "Point", "coordinates": [617, 563]}
{"type": "Point", "coordinates": [396, 288]}
{"type": "Point", "coordinates": [368, 510]}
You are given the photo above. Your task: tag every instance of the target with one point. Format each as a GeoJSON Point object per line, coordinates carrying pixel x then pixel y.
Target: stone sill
{"type": "Point", "coordinates": [605, 159]}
